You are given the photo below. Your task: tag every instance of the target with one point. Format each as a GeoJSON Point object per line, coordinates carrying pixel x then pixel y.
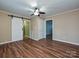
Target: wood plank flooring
{"type": "Point", "coordinates": [38, 49]}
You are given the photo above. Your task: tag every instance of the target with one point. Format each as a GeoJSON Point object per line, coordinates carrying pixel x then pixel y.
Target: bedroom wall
{"type": "Point", "coordinates": [66, 27]}
{"type": "Point", "coordinates": [5, 28]}
{"type": "Point", "coordinates": [37, 28]}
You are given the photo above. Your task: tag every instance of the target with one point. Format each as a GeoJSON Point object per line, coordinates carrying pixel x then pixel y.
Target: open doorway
{"type": "Point", "coordinates": [49, 30]}
{"type": "Point", "coordinates": [26, 29]}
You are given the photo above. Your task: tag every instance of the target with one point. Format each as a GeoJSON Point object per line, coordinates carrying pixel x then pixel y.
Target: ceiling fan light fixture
{"type": "Point", "coordinates": [36, 12]}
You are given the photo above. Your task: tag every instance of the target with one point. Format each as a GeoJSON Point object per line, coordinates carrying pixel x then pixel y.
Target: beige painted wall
{"type": "Point", "coordinates": [66, 27]}
{"type": "Point", "coordinates": [5, 28]}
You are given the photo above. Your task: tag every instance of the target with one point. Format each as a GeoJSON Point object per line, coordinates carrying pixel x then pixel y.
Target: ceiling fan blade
{"type": "Point", "coordinates": [42, 12]}
{"type": "Point", "coordinates": [29, 9]}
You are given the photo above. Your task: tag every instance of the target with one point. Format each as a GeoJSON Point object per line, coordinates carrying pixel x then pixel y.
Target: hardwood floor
{"type": "Point", "coordinates": [38, 49]}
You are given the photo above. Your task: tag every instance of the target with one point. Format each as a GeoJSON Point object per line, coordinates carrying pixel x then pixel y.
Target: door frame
{"type": "Point", "coordinates": [52, 27]}
{"type": "Point", "coordinates": [29, 27]}
{"type": "Point", "coordinates": [47, 28]}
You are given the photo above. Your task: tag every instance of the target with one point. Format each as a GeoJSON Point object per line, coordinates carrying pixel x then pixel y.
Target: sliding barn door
{"type": "Point", "coordinates": [17, 25]}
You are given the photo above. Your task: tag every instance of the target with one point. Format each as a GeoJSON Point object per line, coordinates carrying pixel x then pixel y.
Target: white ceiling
{"type": "Point", "coordinates": [25, 7]}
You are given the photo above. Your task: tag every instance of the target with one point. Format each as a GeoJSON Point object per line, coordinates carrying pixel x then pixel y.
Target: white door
{"type": "Point", "coordinates": [17, 25]}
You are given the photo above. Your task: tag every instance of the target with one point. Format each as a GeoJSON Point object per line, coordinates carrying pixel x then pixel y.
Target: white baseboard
{"type": "Point", "coordinates": [8, 42]}
{"type": "Point", "coordinates": [67, 42]}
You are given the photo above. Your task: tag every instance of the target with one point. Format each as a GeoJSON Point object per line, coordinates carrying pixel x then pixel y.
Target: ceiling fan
{"type": "Point", "coordinates": [37, 12]}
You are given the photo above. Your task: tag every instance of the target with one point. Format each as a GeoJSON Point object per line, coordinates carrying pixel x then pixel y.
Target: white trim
{"type": "Point", "coordinates": [67, 12]}
{"type": "Point", "coordinates": [67, 42]}
{"type": "Point", "coordinates": [63, 13]}
{"type": "Point", "coordinates": [6, 12]}
{"type": "Point", "coordinates": [7, 42]}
